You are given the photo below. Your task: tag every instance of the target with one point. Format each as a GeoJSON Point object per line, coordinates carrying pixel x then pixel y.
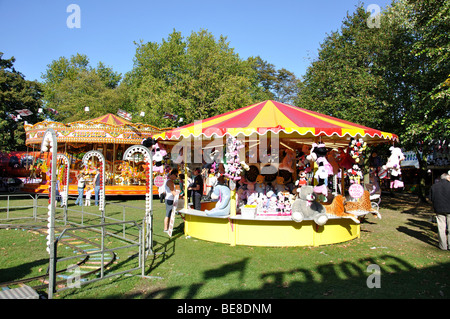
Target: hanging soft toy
{"type": "Point", "coordinates": [356, 148]}
{"type": "Point", "coordinates": [234, 166]}
{"type": "Point", "coordinates": [344, 159]}
{"type": "Point", "coordinates": [321, 176]}
{"type": "Point", "coordinates": [355, 174]}
{"type": "Point", "coordinates": [318, 154]}
{"type": "Point", "coordinates": [158, 154]}
{"type": "Point", "coordinates": [393, 166]}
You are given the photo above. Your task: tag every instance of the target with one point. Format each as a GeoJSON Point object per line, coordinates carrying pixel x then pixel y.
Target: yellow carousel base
{"type": "Point", "coordinates": [276, 232]}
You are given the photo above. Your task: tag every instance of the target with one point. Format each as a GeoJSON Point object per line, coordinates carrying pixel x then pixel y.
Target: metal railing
{"type": "Point", "coordinates": [133, 233]}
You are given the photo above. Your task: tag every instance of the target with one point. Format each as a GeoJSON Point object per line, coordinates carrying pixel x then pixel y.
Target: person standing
{"type": "Point", "coordinates": [197, 188]}
{"type": "Point", "coordinates": [440, 196]}
{"type": "Point", "coordinates": [170, 196]}
{"type": "Point", "coordinates": [96, 183]}
{"type": "Point", "coordinates": [81, 184]}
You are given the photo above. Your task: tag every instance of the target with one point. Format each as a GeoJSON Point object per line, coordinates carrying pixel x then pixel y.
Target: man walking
{"type": "Point", "coordinates": [440, 196]}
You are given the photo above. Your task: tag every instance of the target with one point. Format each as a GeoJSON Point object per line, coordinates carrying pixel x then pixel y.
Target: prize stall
{"type": "Point", "coordinates": [109, 135]}
{"type": "Point", "coordinates": [285, 176]}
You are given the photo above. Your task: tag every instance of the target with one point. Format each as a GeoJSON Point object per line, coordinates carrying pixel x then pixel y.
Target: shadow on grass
{"type": "Point", "coordinates": [398, 279]}
{"type": "Point", "coordinates": [20, 271]}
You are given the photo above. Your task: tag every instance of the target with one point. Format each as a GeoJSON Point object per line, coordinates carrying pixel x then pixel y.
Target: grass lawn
{"type": "Point", "coordinates": [403, 244]}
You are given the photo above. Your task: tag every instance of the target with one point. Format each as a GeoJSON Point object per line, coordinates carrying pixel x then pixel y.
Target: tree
{"type": "Point", "coordinates": [416, 72]}
{"type": "Point", "coordinates": [280, 85]}
{"type": "Point", "coordinates": [194, 78]}
{"type": "Point", "coordinates": [341, 82]}
{"type": "Point", "coordinates": [16, 93]}
{"type": "Point", "coordinates": [72, 84]}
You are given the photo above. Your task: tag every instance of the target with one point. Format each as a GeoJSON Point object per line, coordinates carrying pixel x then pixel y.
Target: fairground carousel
{"type": "Point", "coordinates": [110, 135]}
{"type": "Point", "coordinates": [282, 176]}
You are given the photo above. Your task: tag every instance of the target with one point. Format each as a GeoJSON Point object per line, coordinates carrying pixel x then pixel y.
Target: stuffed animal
{"type": "Point", "coordinates": [344, 159]}
{"type": "Point", "coordinates": [318, 155]}
{"type": "Point", "coordinates": [288, 161]}
{"type": "Point", "coordinates": [393, 166]}
{"type": "Point", "coordinates": [356, 148]}
{"type": "Point", "coordinates": [321, 176]}
{"type": "Point", "coordinates": [260, 188]}
{"type": "Point", "coordinates": [278, 185]}
{"type": "Point", "coordinates": [355, 174]}
{"type": "Point", "coordinates": [306, 207]}
{"type": "Point", "coordinates": [222, 207]}
{"type": "Point", "coordinates": [235, 166]}
{"type": "Point", "coordinates": [302, 181]}
{"type": "Point", "coordinates": [337, 208]}
{"type": "Point", "coordinates": [158, 154]}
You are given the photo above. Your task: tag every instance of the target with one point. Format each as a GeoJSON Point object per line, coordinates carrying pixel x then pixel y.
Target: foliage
{"type": "Point", "coordinates": [72, 84]}
{"type": "Point", "coordinates": [341, 82]}
{"type": "Point", "coordinates": [282, 85]}
{"type": "Point", "coordinates": [16, 93]}
{"type": "Point", "coordinates": [419, 68]}
{"type": "Point", "coordinates": [194, 78]}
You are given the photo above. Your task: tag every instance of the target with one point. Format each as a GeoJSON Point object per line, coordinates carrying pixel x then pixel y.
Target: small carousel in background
{"type": "Point", "coordinates": [110, 135]}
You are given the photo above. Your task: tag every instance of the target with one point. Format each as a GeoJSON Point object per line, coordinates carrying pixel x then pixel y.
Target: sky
{"type": "Point", "coordinates": [286, 33]}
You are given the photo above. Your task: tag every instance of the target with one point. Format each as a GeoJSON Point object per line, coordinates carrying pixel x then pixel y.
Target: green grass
{"type": "Point", "coordinates": [403, 244]}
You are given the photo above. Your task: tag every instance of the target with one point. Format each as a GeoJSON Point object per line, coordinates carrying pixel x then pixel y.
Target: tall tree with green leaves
{"type": "Point", "coordinates": [340, 82]}
{"type": "Point", "coordinates": [72, 84]}
{"type": "Point", "coordinates": [416, 71]}
{"type": "Point", "coordinates": [194, 78]}
{"type": "Point", "coordinates": [280, 85]}
{"type": "Point", "coordinates": [16, 93]}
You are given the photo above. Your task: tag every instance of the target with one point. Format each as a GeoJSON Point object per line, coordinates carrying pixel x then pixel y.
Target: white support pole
{"type": "Point", "coordinates": [49, 144]}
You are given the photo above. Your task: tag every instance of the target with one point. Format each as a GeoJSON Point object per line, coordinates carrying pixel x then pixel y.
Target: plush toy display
{"type": "Point", "coordinates": [234, 164]}
{"type": "Point", "coordinates": [356, 148]}
{"type": "Point", "coordinates": [355, 174]}
{"type": "Point", "coordinates": [306, 207]}
{"type": "Point", "coordinates": [319, 155]}
{"type": "Point", "coordinates": [344, 159]}
{"type": "Point", "coordinates": [393, 166]}
{"type": "Point", "coordinates": [223, 205]}
{"type": "Point", "coordinates": [158, 154]}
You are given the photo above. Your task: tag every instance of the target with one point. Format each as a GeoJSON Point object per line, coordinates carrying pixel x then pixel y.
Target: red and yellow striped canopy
{"type": "Point", "coordinates": [286, 120]}
{"type": "Point", "coordinates": [111, 119]}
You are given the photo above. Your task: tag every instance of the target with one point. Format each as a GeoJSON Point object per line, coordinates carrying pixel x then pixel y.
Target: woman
{"type": "Point", "coordinates": [81, 184]}
{"type": "Point", "coordinates": [170, 196]}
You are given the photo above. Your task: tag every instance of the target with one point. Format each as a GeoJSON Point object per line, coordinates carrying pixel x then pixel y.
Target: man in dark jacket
{"type": "Point", "coordinates": [440, 196]}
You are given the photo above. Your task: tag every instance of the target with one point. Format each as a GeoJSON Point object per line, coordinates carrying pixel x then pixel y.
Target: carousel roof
{"type": "Point", "coordinates": [111, 119]}
{"type": "Point", "coordinates": [108, 128]}
{"type": "Point", "coordinates": [286, 120]}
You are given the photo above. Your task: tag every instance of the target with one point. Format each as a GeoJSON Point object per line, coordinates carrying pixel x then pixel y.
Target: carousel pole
{"type": "Point", "coordinates": [49, 144]}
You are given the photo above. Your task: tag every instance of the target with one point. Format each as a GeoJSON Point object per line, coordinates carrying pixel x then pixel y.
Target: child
{"type": "Point", "coordinates": [88, 195]}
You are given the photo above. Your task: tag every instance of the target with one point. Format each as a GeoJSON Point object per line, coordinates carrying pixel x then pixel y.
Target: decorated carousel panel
{"type": "Point", "coordinates": [109, 135]}
{"type": "Point", "coordinates": [282, 176]}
